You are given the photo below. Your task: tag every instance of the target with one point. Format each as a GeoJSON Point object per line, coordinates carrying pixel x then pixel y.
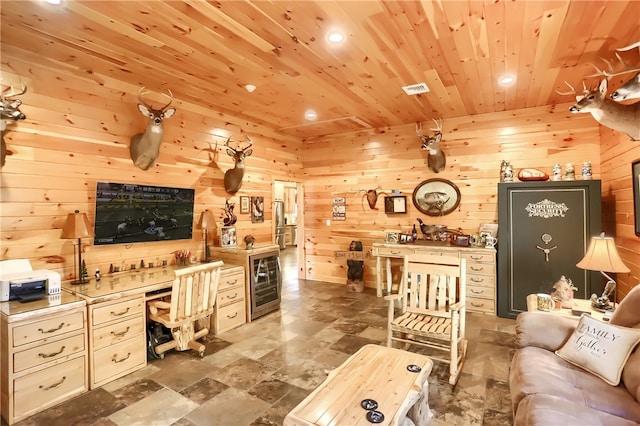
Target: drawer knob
{"type": "Point", "coordinates": [477, 280]}
{"type": "Point", "coordinates": [55, 385]}
{"type": "Point", "coordinates": [477, 291]}
{"type": "Point", "coordinates": [477, 305]}
{"type": "Point", "coordinates": [51, 354]}
{"type": "Point", "coordinates": [476, 269]}
{"type": "Point", "coordinates": [53, 330]}
{"type": "Point", "coordinates": [395, 252]}
{"type": "Point", "coordinates": [120, 360]}
{"type": "Point", "coordinates": [232, 282]}
{"type": "Point", "coordinates": [119, 314]}
{"type": "Point", "coordinates": [122, 333]}
{"type": "Point", "coordinates": [232, 316]}
{"type": "Point", "coordinates": [233, 297]}
{"type": "Point", "coordinates": [476, 257]}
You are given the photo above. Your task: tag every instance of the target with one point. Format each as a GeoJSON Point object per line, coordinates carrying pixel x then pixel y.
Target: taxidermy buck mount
{"type": "Point", "coordinates": [630, 89]}
{"type": "Point", "coordinates": [145, 147]}
{"type": "Point", "coordinates": [233, 177]}
{"type": "Point", "coordinates": [9, 112]}
{"type": "Point", "coordinates": [436, 159]}
{"type": "Point", "coordinates": [620, 117]}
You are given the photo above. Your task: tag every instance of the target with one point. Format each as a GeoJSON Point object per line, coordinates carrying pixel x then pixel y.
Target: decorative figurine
{"type": "Point", "coordinates": [98, 275]}
{"type": "Point", "coordinates": [506, 171]}
{"type": "Point", "coordinates": [586, 170]}
{"type": "Point", "coordinates": [557, 172]}
{"type": "Point", "coordinates": [569, 173]}
{"type": "Point", "coordinates": [249, 240]}
{"type": "Point", "coordinates": [563, 291]}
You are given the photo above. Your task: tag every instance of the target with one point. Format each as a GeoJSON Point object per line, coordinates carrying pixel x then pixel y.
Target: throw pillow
{"type": "Point", "coordinates": [600, 348]}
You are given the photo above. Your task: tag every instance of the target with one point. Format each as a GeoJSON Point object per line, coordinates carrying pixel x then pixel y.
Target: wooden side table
{"type": "Point", "coordinates": [580, 305]}
{"type": "Point", "coordinates": [374, 373]}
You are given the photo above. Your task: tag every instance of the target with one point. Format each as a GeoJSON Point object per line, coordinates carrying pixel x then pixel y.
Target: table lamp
{"type": "Point", "coordinates": [602, 256]}
{"type": "Point", "coordinates": [77, 226]}
{"type": "Point", "coordinates": [206, 222]}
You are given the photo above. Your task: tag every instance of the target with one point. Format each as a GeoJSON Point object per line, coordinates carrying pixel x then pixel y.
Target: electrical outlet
{"type": "Point", "coordinates": [328, 222]}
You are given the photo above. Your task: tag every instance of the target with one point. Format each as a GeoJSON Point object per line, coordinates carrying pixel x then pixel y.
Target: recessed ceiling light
{"type": "Point", "coordinates": [53, 1]}
{"type": "Point", "coordinates": [335, 37]}
{"type": "Point", "coordinates": [507, 79]}
{"type": "Point", "coordinates": [249, 87]}
{"type": "Point", "coordinates": [310, 115]}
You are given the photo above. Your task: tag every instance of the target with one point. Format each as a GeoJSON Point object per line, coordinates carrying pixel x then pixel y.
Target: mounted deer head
{"type": "Point", "coordinates": [436, 159]}
{"type": "Point", "coordinates": [9, 112]}
{"type": "Point", "coordinates": [630, 89]}
{"type": "Point", "coordinates": [623, 118]}
{"type": "Point", "coordinates": [233, 177]}
{"type": "Point", "coordinates": [145, 147]}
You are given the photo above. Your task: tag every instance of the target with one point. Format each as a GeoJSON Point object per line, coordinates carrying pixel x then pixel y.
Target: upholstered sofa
{"type": "Point", "coordinates": [548, 390]}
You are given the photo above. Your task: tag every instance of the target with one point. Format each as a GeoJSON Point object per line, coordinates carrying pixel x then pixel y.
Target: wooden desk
{"type": "Point", "coordinates": [580, 304]}
{"type": "Point", "coordinates": [481, 269]}
{"type": "Point", "coordinates": [374, 372]}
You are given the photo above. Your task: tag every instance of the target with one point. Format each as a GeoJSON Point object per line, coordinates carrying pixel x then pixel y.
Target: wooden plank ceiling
{"type": "Point", "coordinates": [207, 51]}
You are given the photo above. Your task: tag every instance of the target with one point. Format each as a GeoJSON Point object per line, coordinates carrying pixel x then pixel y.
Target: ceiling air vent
{"type": "Point", "coordinates": [416, 89]}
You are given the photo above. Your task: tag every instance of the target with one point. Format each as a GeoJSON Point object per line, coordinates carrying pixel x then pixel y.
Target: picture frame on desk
{"type": "Point", "coordinates": [392, 238]}
{"type": "Point", "coordinates": [228, 236]}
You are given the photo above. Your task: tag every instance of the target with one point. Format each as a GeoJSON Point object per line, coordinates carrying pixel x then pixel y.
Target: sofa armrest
{"type": "Point", "coordinates": [543, 330]}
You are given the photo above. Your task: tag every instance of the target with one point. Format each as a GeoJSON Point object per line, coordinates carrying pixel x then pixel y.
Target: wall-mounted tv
{"type": "Point", "coordinates": [129, 213]}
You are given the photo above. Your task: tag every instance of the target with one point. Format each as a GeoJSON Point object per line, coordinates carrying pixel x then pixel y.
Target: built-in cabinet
{"type": "Point", "coordinates": [44, 355]}
{"type": "Point", "coordinates": [230, 309]}
{"type": "Point", "coordinates": [117, 339]}
{"type": "Point", "coordinates": [480, 269]}
{"type": "Point", "coordinates": [544, 230]}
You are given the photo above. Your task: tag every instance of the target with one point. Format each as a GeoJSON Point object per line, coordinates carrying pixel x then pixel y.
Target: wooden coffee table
{"type": "Point", "coordinates": [373, 373]}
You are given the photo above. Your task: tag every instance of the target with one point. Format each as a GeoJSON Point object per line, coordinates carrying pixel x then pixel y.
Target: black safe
{"type": "Point", "coordinates": [544, 229]}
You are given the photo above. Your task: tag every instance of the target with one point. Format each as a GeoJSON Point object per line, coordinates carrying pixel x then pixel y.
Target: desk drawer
{"type": "Point", "coordinates": [475, 304]}
{"type": "Point", "coordinates": [118, 332]}
{"type": "Point", "coordinates": [230, 279]}
{"type": "Point", "coordinates": [393, 251]}
{"type": "Point", "coordinates": [230, 295]}
{"type": "Point", "coordinates": [480, 269]}
{"type": "Point", "coordinates": [47, 328]}
{"type": "Point", "coordinates": [482, 292]}
{"type": "Point", "coordinates": [47, 387]}
{"type": "Point", "coordinates": [115, 359]}
{"type": "Point", "coordinates": [481, 280]}
{"type": "Point", "coordinates": [479, 257]}
{"type": "Point", "coordinates": [119, 310]}
{"type": "Point", "coordinates": [48, 352]}
{"type": "Point", "coordinates": [230, 316]}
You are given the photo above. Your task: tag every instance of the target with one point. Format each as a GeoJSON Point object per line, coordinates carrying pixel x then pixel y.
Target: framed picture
{"type": "Point", "coordinates": [392, 237]}
{"type": "Point", "coordinates": [257, 209]}
{"type": "Point", "coordinates": [436, 197]}
{"type": "Point", "coordinates": [395, 204]}
{"type": "Point", "coordinates": [228, 236]}
{"type": "Point", "coordinates": [244, 204]}
{"type": "Point", "coordinates": [635, 172]}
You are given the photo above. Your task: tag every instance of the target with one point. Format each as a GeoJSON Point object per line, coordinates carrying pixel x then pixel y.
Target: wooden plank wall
{"type": "Point", "coordinates": [77, 133]}
{"type": "Point", "coordinates": [347, 164]}
{"type": "Point", "coordinates": [618, 152]}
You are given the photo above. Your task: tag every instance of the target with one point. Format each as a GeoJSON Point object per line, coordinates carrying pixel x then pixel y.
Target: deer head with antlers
{"type": "Point", "coordinates": [233, 177]}
{"type": "Point", "coordinates": [9, 112]}
{"type": "Point", "coordinates": [436, 159]}
{"type": "Point", "coordinates": [623, 118]}
{"type": "Point", "coordinates": [630, 89]}
{"type": "Point", "coordinates": [145, 147]}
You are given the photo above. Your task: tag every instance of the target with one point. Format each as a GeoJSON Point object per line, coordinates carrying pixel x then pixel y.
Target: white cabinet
{"type": "Point", "coordinates": [230, 309]}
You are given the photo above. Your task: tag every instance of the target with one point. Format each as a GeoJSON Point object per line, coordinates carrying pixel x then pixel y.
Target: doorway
{"type": "Point", "coordinates": [288, 229]}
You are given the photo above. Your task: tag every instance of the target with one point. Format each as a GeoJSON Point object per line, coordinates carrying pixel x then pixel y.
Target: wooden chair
{"type": "Point", "coordinates": [193, 296]}
{"type": "Point", "coordinates": [432, 312]}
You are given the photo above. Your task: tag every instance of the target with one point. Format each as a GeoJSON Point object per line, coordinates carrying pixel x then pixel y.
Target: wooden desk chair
{"type": "Point", "coordinates": [432, 312]}
{"type": "Point", "coordinates": [193, 296]}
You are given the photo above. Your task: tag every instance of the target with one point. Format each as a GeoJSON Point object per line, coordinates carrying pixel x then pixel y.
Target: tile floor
{"type": "Point", "coordinates": [255, 374]}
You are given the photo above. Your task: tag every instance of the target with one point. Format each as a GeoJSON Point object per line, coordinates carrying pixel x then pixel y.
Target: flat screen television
{"type": "Point", "coordinates": [129, 213]}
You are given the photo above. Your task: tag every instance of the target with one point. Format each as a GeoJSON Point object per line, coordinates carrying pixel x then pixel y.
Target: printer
{"type": "Point", "coordinates": [18, 281]}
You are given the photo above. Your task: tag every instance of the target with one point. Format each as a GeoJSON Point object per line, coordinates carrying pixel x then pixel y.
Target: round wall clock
{"type": "Point", "coordinates": [436, 197]}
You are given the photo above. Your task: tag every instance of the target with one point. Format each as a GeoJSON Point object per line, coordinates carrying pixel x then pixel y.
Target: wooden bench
{"type": "Point", "coordinates": [377, 373]}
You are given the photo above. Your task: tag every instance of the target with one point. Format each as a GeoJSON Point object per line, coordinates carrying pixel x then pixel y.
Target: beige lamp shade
{"type": "Point", "coordinates": [77, 226]}
{"type": "Point", "coordinates": [206, 220]}
{"type": "Point", "coordinates": [602, 255]}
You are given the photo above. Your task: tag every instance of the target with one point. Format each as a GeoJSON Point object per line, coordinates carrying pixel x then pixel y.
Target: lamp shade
{"type": "Point", "coordinates": [206, 220]}
{"type": "Point", "coordinates": [77, 226]}
{"type": "Point", "coordinates": [602, 255]}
